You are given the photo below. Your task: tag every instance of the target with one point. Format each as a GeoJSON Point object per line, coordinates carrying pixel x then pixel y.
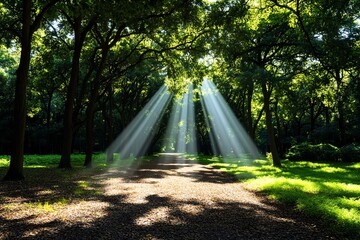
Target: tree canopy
{"type": "Point", "coordinates": [74, 73]}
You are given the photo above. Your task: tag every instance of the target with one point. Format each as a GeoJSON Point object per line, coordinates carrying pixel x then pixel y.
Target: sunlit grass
{"type": "Point", "coordinates": [330, 191]}
{"type": "Point", "coordinates": [48, 161]}
{"type": "Point", "coordinates": [84, 188]}
{"type": "Point", "coordinates": [47, 206]}
{"type": "Point", "coordinates": [4, 161]}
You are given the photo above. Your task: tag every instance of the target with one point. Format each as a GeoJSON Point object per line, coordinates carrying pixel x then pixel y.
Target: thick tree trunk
{"type": "Point", "coordinates": [15, 171]}
{"type": "Point", "coordinates": [69, 105]}
{"type": "Point", "coordinates": [270, 128]}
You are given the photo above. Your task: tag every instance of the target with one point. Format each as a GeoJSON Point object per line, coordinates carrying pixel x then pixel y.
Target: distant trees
{"type": "Point", "coordinates": [289, 69]}
{"type": "Point", "coordinates": [102, 41]}
{"type": "Point", "coordinates": [300, 56]}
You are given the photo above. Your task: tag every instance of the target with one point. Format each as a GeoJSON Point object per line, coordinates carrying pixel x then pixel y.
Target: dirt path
{"type": "Point", "coordinates": [166, 199]}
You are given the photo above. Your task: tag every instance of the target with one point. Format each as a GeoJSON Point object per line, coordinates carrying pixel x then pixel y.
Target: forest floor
{"type": "Point", "coordinates": [166, 198]}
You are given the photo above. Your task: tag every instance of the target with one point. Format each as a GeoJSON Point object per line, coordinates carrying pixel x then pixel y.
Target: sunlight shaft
{"type": "Point", "coordinates": [137, 136]}
{"type": "Point", "coordinates": [180, 135]}
{"type": "Point", "coordinates": [227, 136]}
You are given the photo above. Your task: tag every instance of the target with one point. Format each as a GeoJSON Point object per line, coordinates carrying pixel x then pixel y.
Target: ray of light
{"type": "Point", "coordinates": [137, 136]}
{"type": "Point", "coordinates": [227, 136]}
{"type": "Point", "coordinates": [180, 135]}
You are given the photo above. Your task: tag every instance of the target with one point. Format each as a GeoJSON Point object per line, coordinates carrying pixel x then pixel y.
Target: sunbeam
{"type": "Point", "coordinates": [137, 136]}
{"type": "Point", "coordinates": [227, 136]}
{"type": "Point", "coordinates": [180, 135]}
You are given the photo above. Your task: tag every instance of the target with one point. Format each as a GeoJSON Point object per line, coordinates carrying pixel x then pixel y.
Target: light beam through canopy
{"type": "Point", "coordinates": [137, 136]}
{"type": "Point", "coordinates": [227, 136]}
{"type": "Point", "coordinates": [180, 134]}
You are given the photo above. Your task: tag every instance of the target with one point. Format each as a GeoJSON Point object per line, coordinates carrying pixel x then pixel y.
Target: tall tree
{"type": "Point", "coordinates": [29, 25]}
{"type": "Point", "coordinates": [81, 20]}
{"type": "Point", "coordinates": [331, 33]}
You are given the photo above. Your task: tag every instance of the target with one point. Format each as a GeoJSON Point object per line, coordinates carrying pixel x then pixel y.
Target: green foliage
{"type": "Point", "coordinates": [350, 153]}
{"type": "Point", "coordinates": [319, 152]}
{"type": "Point", "coordinates": [328, 191]}
{"type": "Point", "coordinates": [324, 152]}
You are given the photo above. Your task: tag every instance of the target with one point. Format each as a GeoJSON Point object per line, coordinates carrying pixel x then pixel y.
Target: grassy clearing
{"type": "Point", "coordinates": [330, 191]}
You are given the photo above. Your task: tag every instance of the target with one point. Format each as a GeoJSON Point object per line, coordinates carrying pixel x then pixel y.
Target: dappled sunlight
{"type": "Point", "coordinates": [342, 189]}
{"type": "Point", "coordinates": [4, 161]}
{"type": "Point", "coordinates": [191, 209]}
{"type": "Point", "coordinates": [331, 170]}
{"type": "Point", "coordinates": [355, 166]}
{"type": "Point", "coordinates": [169, 193]}
{"type": "Point", "coordinates": [329, 191]}
{"type": "Point", "coordinates": [158, 215]}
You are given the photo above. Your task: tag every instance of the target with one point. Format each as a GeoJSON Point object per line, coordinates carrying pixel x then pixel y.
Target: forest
{"type": "Point", "coordinates": [75, 73]}
{"type": "Point", "coordinates": [180, 119]}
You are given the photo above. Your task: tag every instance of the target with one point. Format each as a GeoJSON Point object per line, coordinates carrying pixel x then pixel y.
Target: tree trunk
{"type": "Point", "coordinates": [340, 108]}
{"type": "Point", "coordinates": [249, 111]}
{"type": "Point", "coordinates": [90, 111]}
{"type": "Point", "coordinates": [342, 123]}
{"type": "Point", "coordinates": [48, 109]}
{"type": "Point", "coordinates": [15, 171]}
{"type": "Point", "coordinates": [109, 135]}
{"type": "Point", "coordinates": [270, 128]}
{"type": "Point", "coordinates": [312, 116]}
{"type": "Point", "coordinates": [280, 143]}
{"type": "Point", "coordinates": [69, 105]}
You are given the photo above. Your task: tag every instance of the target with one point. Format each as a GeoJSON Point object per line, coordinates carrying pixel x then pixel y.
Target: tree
{"type": "Point", "coordinates": [266, 42]}
{"type": "Point", "coordinates": [81, 21]}
{"type": "Point", "coordinates": [331, 34]}
{"type": "Point", "coordinates": [29, 26]}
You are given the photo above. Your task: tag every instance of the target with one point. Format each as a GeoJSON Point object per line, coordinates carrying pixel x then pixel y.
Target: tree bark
{"type": "Point", "coordinates": [69, 105]}
{"type": "Point", "coordinates": [90, 111]}
{"type": "Point", "coordinates": [109, 135]}
{"type": "Point", "coordinates": [249, 111]}
{"type": "Point", "coordinates": [15, 171]}
{"type": "Point", "coordinates": [340, 108]}
{"type": "Point", "coordinates": [269, 126]}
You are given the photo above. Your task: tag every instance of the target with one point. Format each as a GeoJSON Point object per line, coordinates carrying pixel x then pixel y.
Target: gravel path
{"type": "Point", "coordinates": [169, 198]}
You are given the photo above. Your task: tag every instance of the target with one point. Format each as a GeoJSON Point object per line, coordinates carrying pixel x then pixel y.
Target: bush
{"type": "Point", "coordinates": [319, 152]}
{"type": "Point", "coordinates": [350, 153]}
{"type": "Point", "coordinates": [299, 152]}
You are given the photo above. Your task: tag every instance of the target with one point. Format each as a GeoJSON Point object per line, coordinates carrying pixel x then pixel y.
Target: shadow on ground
{"type": "Point", "coordinates": [155, 217]}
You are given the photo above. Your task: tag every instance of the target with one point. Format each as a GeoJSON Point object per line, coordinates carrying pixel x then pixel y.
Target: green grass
{"type": "Point", "coordinates": [330, 191]}
{"type": "Point", "coordinates": [50, 161]}
{"type": "Point", "coordinates": [46, 206]}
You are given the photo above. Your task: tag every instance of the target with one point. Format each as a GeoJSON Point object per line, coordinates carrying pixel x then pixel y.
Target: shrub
{"type": "Point", "coordinates": [318, 152]}
{"type": "Point", "coordinates": [350, 153]}
{"type": "Point", "coordinates": [299, 152]}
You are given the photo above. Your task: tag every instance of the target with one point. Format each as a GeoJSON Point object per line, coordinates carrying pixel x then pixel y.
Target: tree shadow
{"type": "Point", "coordinates": [156, 217]}
{"type": "Point", "coordinates": [225, 220]}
